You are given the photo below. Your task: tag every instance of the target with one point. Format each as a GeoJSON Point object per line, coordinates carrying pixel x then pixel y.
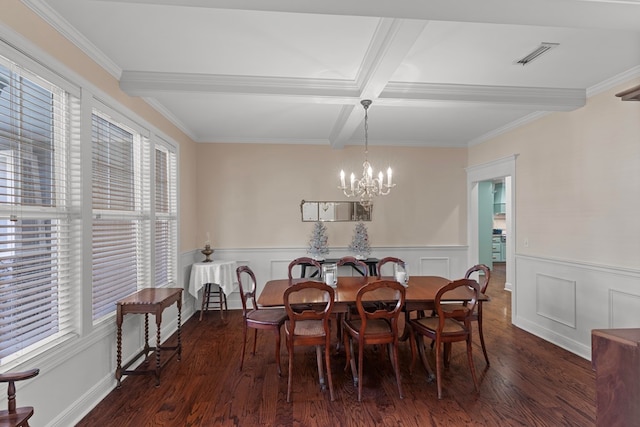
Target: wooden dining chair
{"type": "Point", "coordinates": [363, 269]}
{"type": "Point", "coordinates": [376, 324]}
{"type": "Point", "coordinates": [408, 308]}
{"type": "Point", "coordinates": [257, 318]}
{"type": "Point", "coordinates": [447, 327]}
{"type": "Point", "coordinates": [389, 260]}
{"type": "Point", "coordinates": [306, 262]}
{"type": "Point", "coordinates": [355, 263]}
{"type": "Point", "coordinates": [483, 274]}
{"type": "Point", "coordinates": [308, 324]}
{"type": "Point", "coordinates": [13, 416]}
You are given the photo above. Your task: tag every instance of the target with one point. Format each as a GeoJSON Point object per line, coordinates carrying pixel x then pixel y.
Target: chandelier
{"type": "Point", "coordinates": [367, 187]}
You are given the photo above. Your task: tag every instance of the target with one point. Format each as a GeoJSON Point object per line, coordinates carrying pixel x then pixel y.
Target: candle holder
{"type": "Point", "coordinates": [207, 251]}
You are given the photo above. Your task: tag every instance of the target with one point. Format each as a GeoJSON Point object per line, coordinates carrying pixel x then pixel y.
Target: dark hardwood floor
{"type": "Point", "coordinates": [530, 383]}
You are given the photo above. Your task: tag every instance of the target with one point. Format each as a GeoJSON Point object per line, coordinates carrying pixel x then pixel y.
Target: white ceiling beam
{"type": "Point", "coordinates": [145, 83]}
{"type": "Point", "coordinates": [389, 46]}
{"type": "Point", "coordinates": [530, 98]}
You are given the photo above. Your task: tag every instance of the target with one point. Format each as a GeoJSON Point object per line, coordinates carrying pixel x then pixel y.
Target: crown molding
{"type": "Point", "coordinates": [51, 17]}
{"type": "Point", "coordinates": [276, 141]}
{"type": "Point", "coordinates": [614, 81]}
{"type": "Point", "coordinates": [160, 108]}
{"type": "Point", "coordinates": [509, 127]}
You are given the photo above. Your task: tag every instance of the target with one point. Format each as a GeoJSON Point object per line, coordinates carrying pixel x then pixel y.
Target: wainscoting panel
{"type": "Point", "coordinates": [624, 308]}
{"type": "Point", "coordinates": [556, 299]}
{"type": "Point", "coordinates": [563, 301]}
{"type": "Point", "coordinates": [436, 267]}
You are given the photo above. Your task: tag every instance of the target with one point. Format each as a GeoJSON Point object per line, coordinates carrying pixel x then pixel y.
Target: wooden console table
{"type": "Point", "coordinates": [615, 355]}
{"type": "Point", "coordinates": [145, 301]}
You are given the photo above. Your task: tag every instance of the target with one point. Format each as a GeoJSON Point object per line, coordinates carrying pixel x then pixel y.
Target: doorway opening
{"type": "Point", "coordinates": [479, 178]}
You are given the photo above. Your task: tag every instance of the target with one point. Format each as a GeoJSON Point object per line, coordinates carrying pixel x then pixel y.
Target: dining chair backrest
{"type": "Point", "coordinates": [483, 279]}
{"type": "Point", "coordinates": [354, 262]}
{"type": "Point", "coordinates": [247, 288]}
{"type": "Point", "coordinates": [389, 260]}
{"type": "Point", "coordinates": [306, 261]}
{"type": "Point", "coordinates": [382, 299]}
{"type": "Point", "coordinates": [15, 416]}
{"type": "Point", "coordinates": [462, 312]}
{"type": "Point", "coordinates": [297, 308]}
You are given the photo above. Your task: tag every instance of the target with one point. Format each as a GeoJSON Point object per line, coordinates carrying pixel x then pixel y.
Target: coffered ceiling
{"type": "Point", "coordinates": [440, 73]}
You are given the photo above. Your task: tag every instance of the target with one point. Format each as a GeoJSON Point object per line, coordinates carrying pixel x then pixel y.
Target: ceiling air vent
{"type": "Point", "coordinates": [544, 47]}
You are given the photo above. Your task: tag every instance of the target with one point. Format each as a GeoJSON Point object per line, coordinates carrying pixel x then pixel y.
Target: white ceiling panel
{"type": "Point", "coordinates": [487, 54]}
{"type": "Point", "coordinates": [215, 41]}
{"type": "Point", "coordinates": [246, 118]}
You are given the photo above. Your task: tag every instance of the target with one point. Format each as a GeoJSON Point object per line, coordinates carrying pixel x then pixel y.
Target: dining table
{"type": "Point", "coordinates": [420, 292]}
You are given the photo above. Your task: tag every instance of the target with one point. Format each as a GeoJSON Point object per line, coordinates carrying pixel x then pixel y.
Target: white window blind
{"type": "Point", "coordinates": [35, 297]}
{"type": "Point", "coordinates": [118, 213]}
{"type": "Point", "coordinates": [166, 216]}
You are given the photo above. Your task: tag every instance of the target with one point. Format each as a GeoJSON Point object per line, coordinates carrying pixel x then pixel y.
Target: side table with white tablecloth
{"type": "Point", "coordinates": [205, 275]}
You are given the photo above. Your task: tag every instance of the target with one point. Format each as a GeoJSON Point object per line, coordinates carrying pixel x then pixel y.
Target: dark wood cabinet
{"type": "Point", "coordinates": [615, 356]}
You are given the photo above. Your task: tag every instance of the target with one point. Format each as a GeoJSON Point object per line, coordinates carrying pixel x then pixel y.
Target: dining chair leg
{"type": "Point", "coordinates": [406, 330]}
{"type": "Point", "coordinates": [354, 371]}
{"type": "Point", "coordinates": [412, 342]}
{"type": "Point", "coordinates": [327, 357]}
{"type": "Point", "coordinates": [390, 355]}
{"type": "Point", "coordinates": [484, 348]}
{"type": "Point", "coordinates": [244, 344]}
{"type": "Point", "coordinates": [339, 330]}
{"type": "Point", "coordinates": [347, 351]}
{"type": "Point", "coordinates": [255, 340]}
{"type": "Point", "coordinates": [438, 369]}
{"type": "Point", "coordinates": [320, 369]}
{"type": "Point", "coordinates": [471, 364]}
{"type": "Point", "coordinates": [277, 332]}
{"type": "Point", "coordinates": [447, 354]}
{"type": "Point", "coordinates": [397, 369]}
{"type": "Point", "coordinates": [360, 363]}
{"type": "Point", "coordinates": [290, 351]}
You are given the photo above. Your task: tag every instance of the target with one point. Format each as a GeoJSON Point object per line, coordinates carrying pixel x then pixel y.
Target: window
{"type": "Point", "coordinates": [119, 224]}
{"type": "Point", "coordinates": [35, 288]}
{"type": "Point", "coordinates": [97, 203]}
{"type": "Point", "coordinates": [166, 215]}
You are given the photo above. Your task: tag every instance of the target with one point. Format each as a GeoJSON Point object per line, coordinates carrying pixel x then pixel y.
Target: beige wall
{"type": "Point", "coordinates": [249, 195]}
{"type": "Point", "coordinates": [17, 16]}
{"type": "Point", "coordinates": [578, 181]}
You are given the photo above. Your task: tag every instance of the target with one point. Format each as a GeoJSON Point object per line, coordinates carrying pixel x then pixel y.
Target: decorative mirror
{"type": "Point", "coordinates": [334, 211]}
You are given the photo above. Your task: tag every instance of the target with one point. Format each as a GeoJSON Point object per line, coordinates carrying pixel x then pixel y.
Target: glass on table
{"type": "Point", "coordinates": [401, 274]}
{"type": "Point", "coordinates": [330, 274]}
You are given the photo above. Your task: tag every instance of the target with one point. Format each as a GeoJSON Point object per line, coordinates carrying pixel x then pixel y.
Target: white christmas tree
{"type": "Point", "coordinates": [360, 242]}
{"type": "Point", "coordinates": [318, 244]}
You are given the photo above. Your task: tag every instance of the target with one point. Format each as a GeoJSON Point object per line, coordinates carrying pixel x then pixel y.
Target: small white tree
{"type": "Point", "coordinates": [318, 246]}
{"type": "Point", "coordinates": [360, 242]}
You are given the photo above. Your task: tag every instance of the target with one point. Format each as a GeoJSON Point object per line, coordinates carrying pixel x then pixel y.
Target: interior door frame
{"type": "Point", "coordinates": [500, 168]}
